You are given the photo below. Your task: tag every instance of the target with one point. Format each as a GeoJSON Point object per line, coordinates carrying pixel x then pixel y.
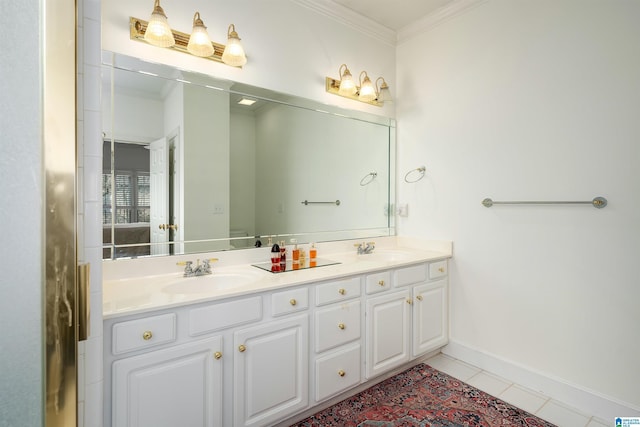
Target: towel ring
{"type": "Point", "coordinates": [421, 170]}
{"type": "Point", "coordinates": [368, 178]}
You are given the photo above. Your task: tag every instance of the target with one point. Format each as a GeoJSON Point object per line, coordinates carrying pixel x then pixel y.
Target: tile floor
{"type": "Point", "coordinates": [542, 406]}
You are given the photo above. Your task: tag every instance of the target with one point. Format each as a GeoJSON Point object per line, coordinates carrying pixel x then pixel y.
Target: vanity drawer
{"type": "Point", "coordinates": [337, 372]}
{"type": "Point", "coordinates": [224, 315]}
{"type": "Point", "coordinates": [411, 275]}
{"type": "Point", "coordinates": [327, 293]}
{"type": "Point", "coordinates": [378, 282]}
{"type": "Point", "coordinates": [337, 325]}
{"type": "Point", "coordinates": [142, 333]}
{"type": "Point", "coordinates": [437, 269]}
{"type": "Point", "coordinates": [289, 301]}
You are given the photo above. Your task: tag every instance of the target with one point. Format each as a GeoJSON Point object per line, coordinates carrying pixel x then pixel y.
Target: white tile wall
{"type": "Point", "coordinates": [89, 131]}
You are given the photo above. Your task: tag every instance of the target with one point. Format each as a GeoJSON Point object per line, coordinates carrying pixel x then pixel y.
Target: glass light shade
{"type": "Point", "coordinates": [233, 52]}
{"type": "Point", "coordinates": [367, 91]}
{"type": "Point", "coordinates": [199, 41]}
{"type": "Point", "coordinates": [158, 32]}
{"type": "Point", "coordinates": [347, 85]}
{"type": "Point", "coordinates": [384, 95]}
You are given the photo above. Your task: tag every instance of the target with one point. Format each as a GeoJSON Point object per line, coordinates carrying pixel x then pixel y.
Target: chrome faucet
{"type": "Point", "coordinates": [200, 269]}
{"type": "Point", "coordinates": [365, 248]}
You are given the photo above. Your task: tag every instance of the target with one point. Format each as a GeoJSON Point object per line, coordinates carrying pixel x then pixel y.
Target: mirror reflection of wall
{"type": "Point", "coordinates": [221, 174]}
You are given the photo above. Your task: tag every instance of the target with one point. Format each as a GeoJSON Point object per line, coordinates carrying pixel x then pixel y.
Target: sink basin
{"type": "Point", "coordinates": [215, 281]}
{"type": "Point", "coordinates": [385, 255]}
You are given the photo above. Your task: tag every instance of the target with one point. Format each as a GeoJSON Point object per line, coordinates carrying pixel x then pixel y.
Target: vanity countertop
{"type": "Point", "coordinates": [129, 288]}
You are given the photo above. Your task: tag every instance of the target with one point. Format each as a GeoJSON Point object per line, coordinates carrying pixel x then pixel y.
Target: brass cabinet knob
{"type": "Point", "coordinates": [147, 335]}
{"type": "Point", "coordinates": [341, 325]}
{"type": "Point", "coordinates": [341, 373]}
{"type": "Point", "coordinates": [342, 291]}
{"type": "Point", "coordinates": [217, 355]}
{"type": "Point", "coordinates": [241, 348]}
{"type": "Point", "coordinates": [409, 301]}
{"type": "Point", "coordinates": [381, 283]}
{"type": "Point", "coordinates": [419, 297]}
{"type": "Point", "coordinates": [293, 301]}
{"type": "Point", "coordinates": [441, 269]}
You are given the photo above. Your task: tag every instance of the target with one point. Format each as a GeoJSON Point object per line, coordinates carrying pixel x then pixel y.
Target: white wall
{"type": "Point", "coordinates": [532, 100]}
{"type": "Point", "coordinates": [242, 173]}
{"type": "Point", "coordinates": [21, 213]}
{"type": "Point", "coordinates": [300, 152]}
{"type": "Point", "coordinates": [206, 158]}
{"type": "Point", "coordinates": [135, 118]}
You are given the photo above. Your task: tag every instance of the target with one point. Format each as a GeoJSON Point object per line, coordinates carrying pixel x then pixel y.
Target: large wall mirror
{"type": "Point", "coordinates": [195, 164]}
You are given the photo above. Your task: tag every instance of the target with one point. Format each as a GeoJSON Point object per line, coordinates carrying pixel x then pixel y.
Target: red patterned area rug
{"type": "Point", "coordinates": [425, 397]}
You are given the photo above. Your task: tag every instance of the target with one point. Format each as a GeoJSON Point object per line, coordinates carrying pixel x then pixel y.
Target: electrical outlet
{"type": "Point", "coordinates": [218, 209]}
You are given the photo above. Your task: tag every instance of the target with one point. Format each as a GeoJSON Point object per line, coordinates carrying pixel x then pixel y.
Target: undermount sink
{"type": "Point", "coordinates": [385, 255]}
{"type": "Point", "coordinates": [216, 280]}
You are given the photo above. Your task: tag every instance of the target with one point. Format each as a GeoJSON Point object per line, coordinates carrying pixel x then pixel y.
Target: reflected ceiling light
{"type": "Point", "coordinates": [347, 85]}
{"type": "Point", "coordinates": [158, 31]}
{"type": "Point", "coordinates": [199, 41]}
{"type": "Point", "coordinates": [246, 101]}
{"type": "Point", "coordinates": [234, 52]}
{"type": "Point", "coordinates": [367, 92]}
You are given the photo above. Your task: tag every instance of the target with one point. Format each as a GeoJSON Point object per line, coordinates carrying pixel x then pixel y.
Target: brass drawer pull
{"type": "Point", "coordinates": [342, 291]}
{"type": "Point", "coordinates": [293, 301]}
{"type": "Point", "coordinates": [147, 335]}
{"type": "Point", "coordinates": [341, 325]}
{"type": "Point", "coordinates": [341, 373]}
{"type": "Point", "coordinates": [217, 355]}
{"type": "Point", "coordinates": [381, 282]}
{"type": "Point", "coordinates": [409, 301]}
{"type": "Point", "coordinates": [241, 348]}
{"type": "Point", "coordinates": [419, 297]}
{"type": "Point", "coordinates": [441, 269]}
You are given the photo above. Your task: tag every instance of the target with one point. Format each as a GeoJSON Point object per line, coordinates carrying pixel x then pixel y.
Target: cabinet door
{"type": "Point", "coordinates": [271, 371]}
{"type": "Point", "coordinates": [388, 327]}
{"type": "Point", "coordinates": [430, 329]}
{"type": "Point", "coordinates": [178, 386]}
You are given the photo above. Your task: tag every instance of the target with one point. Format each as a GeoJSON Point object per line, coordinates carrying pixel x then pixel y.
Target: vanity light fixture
{"type": "Point", "coordinates": [234, 52]}
{"type": "Point", "coordinates": [158, 33]}
{"type": "Point", "coordinates": [347, 85]}
{"type": "Point", "coordinates": [158, 30]}
{"type": "Point", "coordinates": [367, 91]}
{"type": "Point", "coordinates": [199, 41]}
{"type": "Point", "coordinates": [384, 94]}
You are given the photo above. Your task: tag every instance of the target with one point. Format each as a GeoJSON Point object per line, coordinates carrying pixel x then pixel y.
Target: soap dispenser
{"type": "Point", "coordinates": [275, 258]}
{"type": "Point", "coordinates": [295, 255]}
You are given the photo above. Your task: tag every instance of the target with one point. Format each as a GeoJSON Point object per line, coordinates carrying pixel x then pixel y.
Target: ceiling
{"type": "Point", "coordinates": [394, 14]}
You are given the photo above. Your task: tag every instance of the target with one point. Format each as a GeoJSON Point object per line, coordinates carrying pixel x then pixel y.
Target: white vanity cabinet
{"type": "Point", "coordinates": [271, 362]}
{"type": "Point", "coordinates": [388, 331]}
{"type": "Point", "coordinates": [175, 386]}
{"type": "Point", "coordinates": [338, 337]}
{"type": "Point", "coordinates": [409, 320]}
{"type": "Point", "coordinates": [258, 359]}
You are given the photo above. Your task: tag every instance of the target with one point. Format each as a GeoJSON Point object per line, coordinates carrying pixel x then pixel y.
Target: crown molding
{"type": "Point", "coordinates": [351, 19]}
{"type": "Point", "coordinates": [436, 18]}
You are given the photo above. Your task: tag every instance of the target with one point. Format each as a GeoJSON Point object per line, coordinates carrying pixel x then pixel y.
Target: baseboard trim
{"type": "Point", "coordinates": [585, 400]}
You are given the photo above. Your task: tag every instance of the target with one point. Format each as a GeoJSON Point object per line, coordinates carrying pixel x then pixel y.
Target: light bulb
{"type": "Point", "coordinates": [233, 52]}
{"type": "Point", "coordinates": [199, 41]}
{"type": "Point", "coordinates": [158, 32]}
{"type": "Point", "coordinates": [367, 91]}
